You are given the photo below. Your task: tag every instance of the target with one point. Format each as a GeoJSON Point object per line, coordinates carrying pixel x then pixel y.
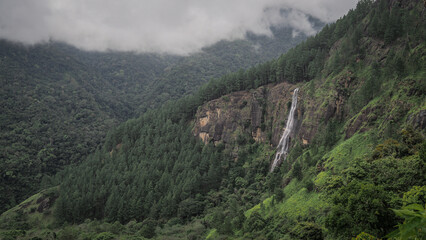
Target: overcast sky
{"type": "Point", "coordinates": [172, 26]}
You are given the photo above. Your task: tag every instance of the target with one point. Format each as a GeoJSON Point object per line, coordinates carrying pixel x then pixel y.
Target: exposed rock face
{"type": "Point", "coordinates": [262, 113]}
{"type": "Point", "coordinates": [259, 113]}
{"type": "Point", "coordinates": [418, 120]}
{"type": "Point", "coordinates": [45, 204]}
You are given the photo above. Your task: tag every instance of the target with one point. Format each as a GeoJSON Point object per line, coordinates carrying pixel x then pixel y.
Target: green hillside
{"type": "Point", "coordinates": [356, 166]}
{"type": "Point", "coordinates": [58, 102]}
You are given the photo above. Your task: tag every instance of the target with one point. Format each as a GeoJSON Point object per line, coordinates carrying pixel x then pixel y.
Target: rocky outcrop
{"type": "Point", "coordinates": [363, 121]}
{"type": "Point", "coordinates": [418, 120]}
{"type": "Point", "coordinates": [45, 203]}
{"type": "Point", "coordinates": [260, 114]}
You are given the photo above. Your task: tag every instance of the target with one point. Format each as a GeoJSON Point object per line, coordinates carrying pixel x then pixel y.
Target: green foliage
{"type": "Point", "coordinates": [225, 221]}
{"type": "Point", "coordinates": [416, 195]}
{"type": "Point", "coordinates": [389, 148]}
{"type": "Point", "coordinates": [105, 236]}
{"type": "Point", "coordinates": [58, 102]}
{"type": "Point", "coordinates": [349, 150]}
{"type": "Point", "coordinates": [254, 223]}
{"type": "Point", "coordinates": [278, 195]}
{"type": "Point", "coordinates": [148, 228]}
{"type": "Point", "coordinates": [361, 195]}
{"type": "Point", "coordinates": [296, 170]}
{"type": "Point", "coordinates": [365, 236]}
{"type": "Point", "coordinates": [414, 226]}
{"type": "Point", "coordinates": [307, 231]}
{"type": "Point", "coordinates": [412, 139]}
{"type": "Point", "coordinates": [193, 230]}
{"type": "Point", "coordinates": [178, 171]}
{"type": "Point", "coordinates": [393, 173]}
{"type": "Point", "coordinates": [152, 168]}
{"type": "Point", "coordinates": [50, 118]}
{"type": "Point", "coordinates": [350, 214]}
{"type": "Point", "coordinates": [422, 152]}
{"type": "Point", "coordinates": [68, 233]}
{"type": "Point", "coordinates": [301, 204]}
{"type": "Point", "coordinates": [189, 208]}
{"type": "Point", "coordinates": [12, 234]}
{"type": "Point", "coordinates": [273, 181]}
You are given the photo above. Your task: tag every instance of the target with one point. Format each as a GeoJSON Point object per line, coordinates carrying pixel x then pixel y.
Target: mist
{"type": "Point", "coordinates": [164, 26]}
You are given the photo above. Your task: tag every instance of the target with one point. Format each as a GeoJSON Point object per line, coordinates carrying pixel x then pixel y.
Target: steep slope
{"type": "Point", "coordinates": [258, 113]}
{"type": "Point", "coordinates": [58, 102]}
{"type": "Point", "coordinates": [358, 86]}
{"type": "Point", "coordinates": [50, 118]}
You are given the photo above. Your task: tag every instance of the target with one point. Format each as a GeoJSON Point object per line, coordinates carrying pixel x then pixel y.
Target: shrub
{"type": "Point", "coordinates": [12, 234]}
{"type": "Point", "coordinates": [307, 231]}
{"type": "Point", "coordinates": [360, 206]}
{"type": "Point", "coordinates": [365, 236]}
{"type": "Point", "coordinates": [415, 195]}
{"type": "Point", "coordinates": [254, 223]}
{"type": "Point", "coordinates": [389, 147]}
{"type": "Point", "coordinates": [68, 233]}
{"type": "Point", "coordinates": [148, 228]}
{"type": "Point", "coordinates": [105, 236]}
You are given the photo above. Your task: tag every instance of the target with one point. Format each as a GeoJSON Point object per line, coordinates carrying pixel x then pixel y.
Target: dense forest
{"type": "Point", "coordinates": [59, 102]}
{"type": "Point", "coordinates": [362, 174]}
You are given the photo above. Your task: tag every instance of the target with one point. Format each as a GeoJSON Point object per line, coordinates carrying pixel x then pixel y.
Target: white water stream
{"type": "Point", "coordinates": [284, 141]}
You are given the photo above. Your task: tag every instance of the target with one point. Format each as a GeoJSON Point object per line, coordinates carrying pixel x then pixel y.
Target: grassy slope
{"type": "Point", "coordinates": [301, 204]}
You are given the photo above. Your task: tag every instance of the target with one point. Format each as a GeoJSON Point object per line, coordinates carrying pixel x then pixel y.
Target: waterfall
{"type": "Point", "coordinates": [284, 141]}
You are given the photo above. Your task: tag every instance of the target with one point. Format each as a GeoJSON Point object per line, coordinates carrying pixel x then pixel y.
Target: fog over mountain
{"type": "Point", "coordinates": [178, 27]}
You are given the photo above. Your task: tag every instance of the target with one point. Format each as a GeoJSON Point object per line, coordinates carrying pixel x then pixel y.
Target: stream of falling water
{"type": "Point", "coordinates": [284, 141]}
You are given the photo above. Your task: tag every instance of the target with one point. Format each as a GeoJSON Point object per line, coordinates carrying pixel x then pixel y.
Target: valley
{"type": "Point", "coordinates": [194, 150]}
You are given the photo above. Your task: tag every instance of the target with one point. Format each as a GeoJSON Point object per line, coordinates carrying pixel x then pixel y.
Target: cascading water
{"type": "Point", "coordinates": [284, 143]}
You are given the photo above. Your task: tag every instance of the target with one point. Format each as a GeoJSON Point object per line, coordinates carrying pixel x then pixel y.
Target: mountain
{"type": "Point", "coordinates": [199, 167]}
{"type": "Point", "coordinates": [58, 102]}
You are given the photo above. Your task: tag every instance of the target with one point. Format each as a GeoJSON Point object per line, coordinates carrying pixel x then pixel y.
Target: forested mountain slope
{"type": "Point", "coordinates": [58, 102]}
{"type": "Point", "coordinates": [53, 114]}
{"type": "Point", "coordinates": [199, 167]}
{"type": "Point", "coordinates": [148, 83]}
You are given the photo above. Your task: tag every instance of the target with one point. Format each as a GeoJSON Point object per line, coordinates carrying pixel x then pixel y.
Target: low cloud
{"type": "Point", "coordinates": [172, 26]}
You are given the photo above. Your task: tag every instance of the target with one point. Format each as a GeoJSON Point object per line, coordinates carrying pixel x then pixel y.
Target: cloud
{"type": "Point", "coordinates": [172, 26]}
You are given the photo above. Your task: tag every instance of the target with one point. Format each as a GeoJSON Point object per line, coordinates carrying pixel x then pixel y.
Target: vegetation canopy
{"type": "Point", "coordinates": [198, 167]}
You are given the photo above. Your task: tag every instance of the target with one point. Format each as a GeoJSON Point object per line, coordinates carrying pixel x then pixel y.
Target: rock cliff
{"type": "Point", "coordinates": [259, 113]}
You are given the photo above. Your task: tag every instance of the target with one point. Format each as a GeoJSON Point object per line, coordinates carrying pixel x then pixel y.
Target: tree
{"type": "Point", "coordinates": [360, 206]}
{"type": "Point", "coordinates": [296, 171]}
{"type": "Point", "coordinates": [189, 207]}
{"type": "Point", "coordinates": [307, 231]}
{"type": "Point", "coordinates": [148, 228]}
{"type": "Point", "coordinates": [279, 195]}
{"type": "Point", "coordinates": [393, 26]}
{"type": "Point", "coordinates": [254, 223]}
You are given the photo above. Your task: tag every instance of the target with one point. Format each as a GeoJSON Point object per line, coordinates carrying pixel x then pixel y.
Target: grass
{"type": "Point", "coordinates": [301, 205]}
{"type": "Point", "coordinates": [346, 151]}
{"type": "Point", "coordinates": [298, 204]}
{"type": "Point", "coordinates": [29, 210]}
